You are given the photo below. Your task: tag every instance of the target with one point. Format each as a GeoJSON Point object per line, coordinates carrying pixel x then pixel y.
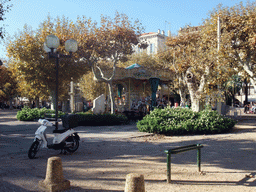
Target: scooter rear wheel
{"type": "Point", "coordinates": [33, 150]}
{"type": "Point", "coordinates": [75, 144]}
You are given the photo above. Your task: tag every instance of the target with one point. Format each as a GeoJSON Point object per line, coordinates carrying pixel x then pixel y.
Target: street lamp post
{"type": "Point", "coordinates": [52, 42]}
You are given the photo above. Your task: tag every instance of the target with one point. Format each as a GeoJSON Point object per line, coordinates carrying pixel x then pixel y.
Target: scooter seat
{"type": "Point", "coordinates": [59, 131]}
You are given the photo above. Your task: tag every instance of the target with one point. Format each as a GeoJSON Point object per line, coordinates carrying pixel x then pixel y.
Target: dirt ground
{"type": "Point", "coordinates": [101, 165]}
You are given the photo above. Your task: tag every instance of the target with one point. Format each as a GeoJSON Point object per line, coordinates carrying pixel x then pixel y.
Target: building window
{"type": "Point", "coordinates": [151, 48]}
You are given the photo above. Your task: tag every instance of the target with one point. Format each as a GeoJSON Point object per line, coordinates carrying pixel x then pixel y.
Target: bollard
{"type": "Point", "coordinates": [134, 183]}
{"type": "Point", "coordinates": [54, 180]}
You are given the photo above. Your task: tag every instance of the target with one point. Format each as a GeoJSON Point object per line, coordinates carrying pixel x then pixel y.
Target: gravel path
{"type": "Point", "coordinates": [108, 154]}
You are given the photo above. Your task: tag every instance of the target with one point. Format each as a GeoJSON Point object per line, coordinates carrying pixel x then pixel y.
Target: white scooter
{"type": "Point", "coordinates": [65, 139]}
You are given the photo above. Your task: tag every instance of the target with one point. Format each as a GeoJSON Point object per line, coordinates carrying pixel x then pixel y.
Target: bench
{"type": "Point", "coordinates": [180, 150]}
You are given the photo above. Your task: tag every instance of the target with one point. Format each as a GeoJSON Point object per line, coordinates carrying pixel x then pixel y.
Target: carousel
{"type": "Point", "coordinates": [136, 88]}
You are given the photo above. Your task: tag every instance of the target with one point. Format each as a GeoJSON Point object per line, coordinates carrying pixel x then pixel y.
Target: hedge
{"type": "Point", "coordinates": [180, 121]}
{"type": "Point", "coordinates": [83, 118]}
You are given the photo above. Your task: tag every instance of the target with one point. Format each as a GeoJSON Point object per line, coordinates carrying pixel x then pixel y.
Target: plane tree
{"type": "Point", "coordinates": [107, 45]}
{"type": "Point", "coordinates": [8, 85]}
{"type": "Point", "coordinates": [91, 88]}
{"type": "Point", "coordinates": [238, 37]}
{"type": "Point", "coordinates": [194, 57]}
{"type": "Point", "coordinates": [100, 46]}
{"type": "Point", "coordinates": [4, 7]}
{"type": "Point", "coordinates": [27, 54]}
{"type": "Point", "coordinates": [169, 58]}
{"type": "Point", "coordinates": [187, 57]}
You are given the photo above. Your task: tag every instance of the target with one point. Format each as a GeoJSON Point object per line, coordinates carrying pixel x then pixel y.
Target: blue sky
{"type": "Point", "coordinates": [153, 14]}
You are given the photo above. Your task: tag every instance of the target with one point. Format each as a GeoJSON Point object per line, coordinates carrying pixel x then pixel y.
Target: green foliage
{"type": "Point", "coordinates": [179, 121]}
{"type": "Point", "coordinates": [8, 84]}
{"type": "Point", "coordinates": [88, 119]}
{"type": "Point", "coordinates": [28, 114]}
{"type": "Point", "coordinates": [90, 88]}
{"type": "Point", "coordinates": [26, 53]}
{"type": "Point", "coordinates": [82, 118]}
{"type": "Point", "coordinates": [4, 8]}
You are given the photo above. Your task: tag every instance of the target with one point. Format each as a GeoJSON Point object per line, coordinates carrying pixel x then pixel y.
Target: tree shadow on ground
{"type": "Point", "coordinates": [78, 189]}
{"type": "Point", "coordinates": [244, 182]}
{"type": "Point", "coordinates": [7, 186]}
{"type": "Point", "coordinates": [108, 161]}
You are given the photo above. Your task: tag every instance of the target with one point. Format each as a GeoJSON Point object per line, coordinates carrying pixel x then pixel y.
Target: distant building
{"type": "Point", "coordinates": [189, 29]}
{"type": "Point", "coordinates": [155, 41]}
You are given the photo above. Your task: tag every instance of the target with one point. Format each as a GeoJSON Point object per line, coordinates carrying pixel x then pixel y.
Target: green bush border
{"type": "Point", "coordinates": [181, 121]}
{"type": "Point", "coordinates": [84, 118]}
{"type": "Point", "coordinates": [28, 114]}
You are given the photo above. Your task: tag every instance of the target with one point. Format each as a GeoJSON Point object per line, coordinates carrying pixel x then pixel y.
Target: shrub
{"type": "Point", "coordinates": [83, 118]}
{"type": "Point", "coordinates": [179, 121]}
{"type": "Point", "coordinates": [28, 114]}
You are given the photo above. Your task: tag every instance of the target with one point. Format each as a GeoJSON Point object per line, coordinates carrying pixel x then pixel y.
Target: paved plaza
{"type": "Point", "coordinates": [108, 153]}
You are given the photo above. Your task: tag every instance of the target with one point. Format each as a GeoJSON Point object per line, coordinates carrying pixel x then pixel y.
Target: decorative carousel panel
{"type": "Point", "coordinates": [141, 73]}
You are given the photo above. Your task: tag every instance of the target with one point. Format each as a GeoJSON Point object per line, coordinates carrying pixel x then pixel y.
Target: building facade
{"type": "Point", "coordinates": [155, 41]}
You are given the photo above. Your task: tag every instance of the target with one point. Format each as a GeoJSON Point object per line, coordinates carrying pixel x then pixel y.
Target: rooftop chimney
{"type": "Point", "coordinates": [169, 33]}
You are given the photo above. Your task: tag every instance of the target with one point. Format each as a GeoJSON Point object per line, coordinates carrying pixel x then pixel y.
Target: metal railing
{"type": "Point", "coordinates": [180, 150]}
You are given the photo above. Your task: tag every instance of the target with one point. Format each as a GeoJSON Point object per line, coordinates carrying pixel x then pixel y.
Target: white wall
{"type": "Point", "coordinates": [156, 42]}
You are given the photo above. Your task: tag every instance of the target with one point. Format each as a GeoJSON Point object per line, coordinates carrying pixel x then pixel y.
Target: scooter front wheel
{"type": "Point", "coordinates": [33, 149]}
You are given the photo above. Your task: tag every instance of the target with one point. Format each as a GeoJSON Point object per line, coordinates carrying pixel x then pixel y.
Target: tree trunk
{"type": "Point", "coordinates": [108, 81]}
{"type": "Point", "coordinates": [194, 100]}
{"type": "Point", "coordinates": [251, 74]}
{"type": "Point", "coordinates": [111, 96]}
{"type": "Point", "coordinates": [182, 92]}
{"type": "Point", "coordinates": [182, 97]}
{"type": "Point", "coordinates": [246, 91]}
{"type": "Point", "coordinates": [11, 106]}
{"type": "Point", "coordinates": [65, 106]}
{"type": "Point", "coordinates": [194, 90]}
{"type": "Point", "coordinates": [37, 102]}
{"type": "Point", "coordinates": [253, 81]}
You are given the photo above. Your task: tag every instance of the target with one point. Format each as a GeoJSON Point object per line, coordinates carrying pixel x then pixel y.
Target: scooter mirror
{"type": "Point", "coordinates": [45, 122]}
{"type": "Point", "coordinates": [41, 121]}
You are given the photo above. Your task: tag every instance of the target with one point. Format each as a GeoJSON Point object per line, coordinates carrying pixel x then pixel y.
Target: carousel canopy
{"type": "Point", "coordinates": [135, 65]}
{"type": "Point", "coordinates": [136, 71]}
